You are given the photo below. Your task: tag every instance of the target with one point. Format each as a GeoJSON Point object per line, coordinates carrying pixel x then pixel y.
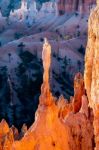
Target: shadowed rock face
{"type": "Point", "coordinates": [8, 5]}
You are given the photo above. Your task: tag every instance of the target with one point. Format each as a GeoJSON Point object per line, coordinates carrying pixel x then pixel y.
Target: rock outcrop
{"type": "Point", "coordinates": [59, 124]}
{"type": "Point", "coordinates": [79, 91]}
{"type": "Point", "coordinates": [83, 6]}
{"type": "Point", "coordinates": [45, 88]}
{"type": "Point", "coordinates": [54, 126]}
{"type": "Point", "coordinates": [30, 13]}
{"type": "Point", "coordinates": [92, 69]}
{"type": "Point", "coordinates": [4, 130]}
{"type": "Point", "coordinates": [47, 7]}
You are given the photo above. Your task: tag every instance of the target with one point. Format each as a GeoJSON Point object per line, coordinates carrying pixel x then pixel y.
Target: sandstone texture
{"type": "Point", "coordinates": [92, 69]}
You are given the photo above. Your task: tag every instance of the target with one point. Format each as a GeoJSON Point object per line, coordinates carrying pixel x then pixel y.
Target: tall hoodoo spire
{"type": "Point", "coordinates": [46, 57]}
{"type": "Point", "coordinates": [46, 96]}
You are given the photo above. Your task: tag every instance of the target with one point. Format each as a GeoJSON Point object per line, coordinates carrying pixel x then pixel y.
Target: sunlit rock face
{"type": "Point", "coordinates": [51, 132]}
{"type": "Point", "coordinates": [68, 6]}
{"type": "Point", "coordinates": [91, 59]}
{"type": "Point", "coordinates": [59, 124]}
{"type": "Point", "coordinates": [4, 130]}
{"type": "Point", "coordinates": [54, 126]}
{"type": "Point", "coordinates": [45, 89]}
{"type": "Point", "coordinates": [92, 69]}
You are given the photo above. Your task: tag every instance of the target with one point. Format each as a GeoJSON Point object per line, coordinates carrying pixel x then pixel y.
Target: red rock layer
{"type": "Point", "coordinates": [83, 6]}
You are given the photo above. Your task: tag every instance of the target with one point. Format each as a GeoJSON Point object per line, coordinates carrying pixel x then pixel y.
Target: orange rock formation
{"type": "Point", "coordinates": [79, 91]}
{"type": "Point", "coordinates": [56, 126]}
{"type": "Point", "coordinates": [62, 124]}
{"type": "Point", "coordinates": [92, 69]}
{"type": "Point", "coordinates": [46, 96]}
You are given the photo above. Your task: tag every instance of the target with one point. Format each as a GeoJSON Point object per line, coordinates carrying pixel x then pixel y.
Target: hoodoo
{"type": "Point", "coordinates": [59, 113]}
{"type": "Point", "coordinates": [57, 126]}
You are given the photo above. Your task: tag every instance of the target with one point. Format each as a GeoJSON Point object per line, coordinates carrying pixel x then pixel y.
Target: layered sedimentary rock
{"type": "Point", "coordinates": [83, 6]}
{"type": "Point", "coordinates": [92, 69]}
{"type": "Point", "coordinates": [49, 6]}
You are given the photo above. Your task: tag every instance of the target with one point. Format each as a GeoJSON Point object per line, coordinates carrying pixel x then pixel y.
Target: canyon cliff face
{"type": "Point", "coordinates": [83, 6]}
{"type": "Point", "coordinates": [92, 69]}
{"type": "Point", "coordinates": [62, 124]}
{"type": "Point", "coordinates": [63, 6]}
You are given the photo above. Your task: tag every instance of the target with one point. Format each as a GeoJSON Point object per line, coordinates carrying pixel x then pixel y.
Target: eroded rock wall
{"type": "Point", "coordinates": [92, 69]}
{"type": "Point", "coordinates": [68, 6]}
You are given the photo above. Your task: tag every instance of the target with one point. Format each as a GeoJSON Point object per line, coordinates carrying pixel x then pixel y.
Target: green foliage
{"type": "Point", "coordinates": [81, 50]}
{"type": "Point", "coordinates": [3, 75]}
{"type": "Point", "coordinates": [42, 1]}
{"type": "Point", "coordinates": [18, 35]}
{"type": "Point", "coordinates": [21, 69]}
{"type": "Point", "coordinates": [26, 57]}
